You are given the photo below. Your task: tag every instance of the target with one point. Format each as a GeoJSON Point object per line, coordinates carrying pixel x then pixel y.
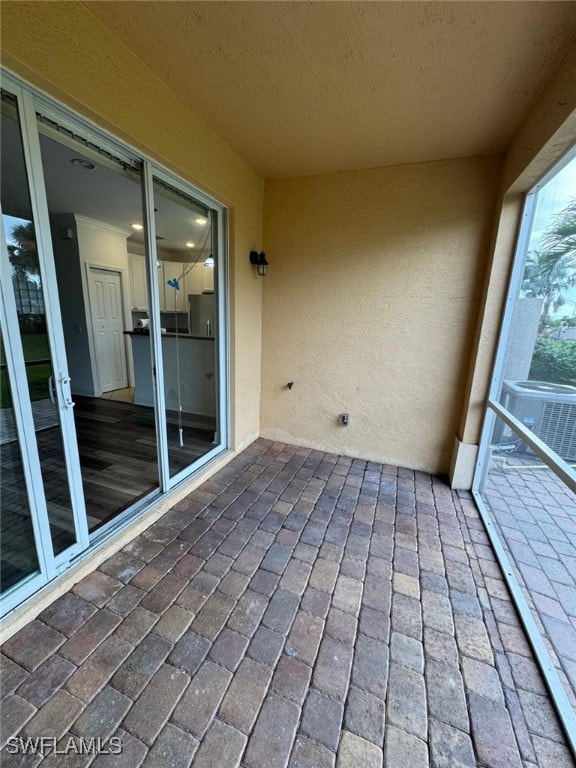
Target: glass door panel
{"type": "Point", "coordinates": [42, 378]}
{"type": "Point", "coordinates": [96, 220]}
{"type": "Point", "coordinates": [187, 276]}
{"type": "Point", "coordinates": [18, 558]}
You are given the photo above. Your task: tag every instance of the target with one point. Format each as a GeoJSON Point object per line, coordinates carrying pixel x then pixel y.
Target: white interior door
{"type": "Point", "coordinates": [106, 307]}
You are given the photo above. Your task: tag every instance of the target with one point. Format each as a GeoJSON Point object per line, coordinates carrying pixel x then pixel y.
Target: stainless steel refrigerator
{"type": "Point", "coordinates": [201, 314]}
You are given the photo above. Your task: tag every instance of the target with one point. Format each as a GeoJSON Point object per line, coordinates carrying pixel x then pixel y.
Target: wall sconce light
{"type": "Point", "coordinates": [259, 259]}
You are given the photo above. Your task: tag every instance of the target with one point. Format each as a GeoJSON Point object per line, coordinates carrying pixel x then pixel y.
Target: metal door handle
{"type": "Point", "coordinates": [65, 389]}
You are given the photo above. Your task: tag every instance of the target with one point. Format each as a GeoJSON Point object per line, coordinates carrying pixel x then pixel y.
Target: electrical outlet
{"type": "Point", "coordinates": [344, 419]}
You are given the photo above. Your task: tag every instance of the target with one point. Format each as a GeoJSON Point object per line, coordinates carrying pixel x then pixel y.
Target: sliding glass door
{"type": "Point", "coordinates": [94, 198]}
{"type": "Point", "coordinates": [114, 364]}
{"type": "Point", "coordinates": [43, 521]}
{"type": "Point", "coordinates": [188, 276]}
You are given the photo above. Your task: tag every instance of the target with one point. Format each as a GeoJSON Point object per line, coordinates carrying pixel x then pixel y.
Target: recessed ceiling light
{"type": "Point", "coordinates": [189, 244]}
{"type": "Point", "coordinates": [201, 220]}
{"type": "Point", "coordinates": [137, 226]}
{"type": "Point", "coordinates": [79, 162]}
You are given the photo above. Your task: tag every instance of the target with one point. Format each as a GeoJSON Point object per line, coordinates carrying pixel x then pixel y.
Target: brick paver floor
{"type": "Point", "coordinates": [535, 515]}
{"type": "Point", "coordinates": [298, 609]}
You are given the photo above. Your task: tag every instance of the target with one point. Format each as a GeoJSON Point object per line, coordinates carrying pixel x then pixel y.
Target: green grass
{"type": "Point", "coordinates": [35, 347]}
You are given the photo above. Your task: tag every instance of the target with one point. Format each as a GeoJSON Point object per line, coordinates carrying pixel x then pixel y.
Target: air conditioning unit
{"type": "Point", "coordinates": [549, 410]}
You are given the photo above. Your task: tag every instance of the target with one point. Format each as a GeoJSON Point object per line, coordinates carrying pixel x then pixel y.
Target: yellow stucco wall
{"type": "Point", "coordinates": [420, 232]}
{"type": "Point", "coordinates": [547, 132]}
{"type": "Point", "coordinates": [370, 306]}
{"type": "Point", "coordinates": [483, 349]}
{"type": "Point", "coordinates": [64, 50]}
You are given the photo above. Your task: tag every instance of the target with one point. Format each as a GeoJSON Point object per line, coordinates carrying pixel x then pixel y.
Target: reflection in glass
{"type": "Point", "coordinates": [188, 303]}
{"type": "Point", "coordinates": [31, 315]}
{"type": "Point", "coordinates": [95, 208]}
{"type": "Point", "coordinates": [17, 548]}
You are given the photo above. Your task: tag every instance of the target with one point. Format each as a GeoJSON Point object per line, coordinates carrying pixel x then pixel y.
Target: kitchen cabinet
{"type": "Point", "coordinates": [207, 278]}
{"type": "Point", "coordinates": [137, 265]}
{"type": "Point", "coordinates": [170, 299]}
{"type": "Point", "coordinates": [200, 279]}
{"type": "Point", "coordinates": [194, 279]}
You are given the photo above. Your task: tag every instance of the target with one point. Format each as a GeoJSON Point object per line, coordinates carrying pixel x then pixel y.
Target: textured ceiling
{"type": "Point", "coordinates": [301, 88]}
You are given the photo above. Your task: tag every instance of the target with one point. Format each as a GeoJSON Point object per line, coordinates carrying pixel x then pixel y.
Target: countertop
{"type": "Point", "coordinates": [170, 335]}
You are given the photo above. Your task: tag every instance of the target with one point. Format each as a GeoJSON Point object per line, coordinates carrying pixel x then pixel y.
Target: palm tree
{"type": "Point", "coordinates": [551, 269]}
{"type": "Point", "coordinates": [22, 251]}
